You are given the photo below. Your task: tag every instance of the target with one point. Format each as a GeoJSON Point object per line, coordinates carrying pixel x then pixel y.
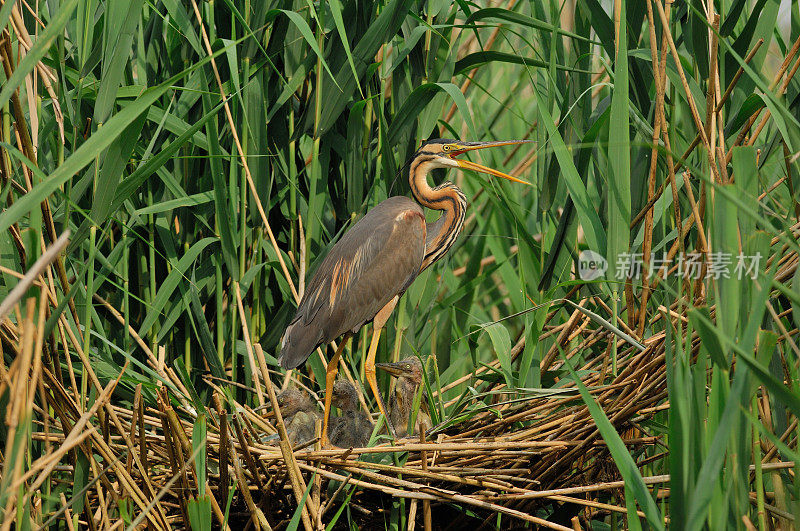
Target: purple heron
{"type": "Point", "coordinates": [372, 265]}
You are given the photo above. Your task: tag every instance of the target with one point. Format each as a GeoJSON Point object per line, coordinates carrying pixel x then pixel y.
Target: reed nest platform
{"type": "Point", "coordinates": [500, 457]}
{"type": "Point", "coordinates": [522, 457]}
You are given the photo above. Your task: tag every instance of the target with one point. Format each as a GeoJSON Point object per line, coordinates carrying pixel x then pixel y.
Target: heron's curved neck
{"type": "Point", "coordinates": [447, 198]}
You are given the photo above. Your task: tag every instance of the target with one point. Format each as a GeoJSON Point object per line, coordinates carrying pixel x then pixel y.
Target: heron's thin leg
{"type": "Point", "coordinates": [369, 366]}
{"type": "Point", "coordinates": [330, 377]}
{"type": "Point", "coordinates": [369, 372]}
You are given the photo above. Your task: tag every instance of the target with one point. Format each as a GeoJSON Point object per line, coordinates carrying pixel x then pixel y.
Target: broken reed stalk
{"type": "Point", "coordinates": [426, 504]}
{"type": "Point", "coordinates": [16, 294]}
{"type": "Point", "coordinates": [309, 511]}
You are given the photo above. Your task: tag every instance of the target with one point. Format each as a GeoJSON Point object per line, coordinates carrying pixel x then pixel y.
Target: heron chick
{"type": "Point", "coordinates": [408, 373]}
{"type": "Point", "coordinates": [300, 415]}
{"type": "Point", "coordinates": [353, 428]}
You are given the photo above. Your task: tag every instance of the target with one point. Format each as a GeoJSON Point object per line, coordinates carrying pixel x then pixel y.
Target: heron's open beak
{"type": "Point", "coordinates": [472, 146]}
{"type": "Point", "coordinates": [392, 368]}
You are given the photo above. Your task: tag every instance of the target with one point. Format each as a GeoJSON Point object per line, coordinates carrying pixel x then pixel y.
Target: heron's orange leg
{"type": "Point", "coordinates": [369, 366]}
{"type": "Point", "coordinates": [330, 377]}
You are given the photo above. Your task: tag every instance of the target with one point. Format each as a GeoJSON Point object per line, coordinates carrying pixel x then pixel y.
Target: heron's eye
{"type": "Point", "coordinates": [446, 147]}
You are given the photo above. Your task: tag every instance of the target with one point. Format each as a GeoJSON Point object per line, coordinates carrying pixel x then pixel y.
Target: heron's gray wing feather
{"type": "Point", "coordinates": [387, 259]}
{"type": "Point", "coordinates": [375, 260]}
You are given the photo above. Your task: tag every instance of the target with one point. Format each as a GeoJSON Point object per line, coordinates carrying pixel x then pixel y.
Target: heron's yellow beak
{"type": "Point", "coordinates": [472, 146]}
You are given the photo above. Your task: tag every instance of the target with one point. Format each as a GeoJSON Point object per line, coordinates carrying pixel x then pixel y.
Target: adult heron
{"type": "Point", "coordinates": [372, 265]}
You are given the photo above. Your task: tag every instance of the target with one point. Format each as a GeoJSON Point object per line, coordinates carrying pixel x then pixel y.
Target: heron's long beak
{"type": "Point", "coordinates": [472, 146]}
{"type": "Point", "coordinates": [392, 368]}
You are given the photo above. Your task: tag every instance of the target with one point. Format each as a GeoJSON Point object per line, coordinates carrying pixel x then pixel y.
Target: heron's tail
{"type": "Point", "coordinates": [299, 342]}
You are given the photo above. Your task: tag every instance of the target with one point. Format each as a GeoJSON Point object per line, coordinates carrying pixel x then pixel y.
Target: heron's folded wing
{"type": "Point", "coordinates": [375, 260]}
{"type": "Point", "coordinates": [384, 260]}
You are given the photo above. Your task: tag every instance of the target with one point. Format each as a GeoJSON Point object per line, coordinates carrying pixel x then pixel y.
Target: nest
{"type": "Point", "coordinates": [515, 458]}
{"type": "Point", "coordinates": [534, 457]}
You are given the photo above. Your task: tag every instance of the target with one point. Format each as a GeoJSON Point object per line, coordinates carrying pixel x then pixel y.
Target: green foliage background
{"type": "Point", "coordinates": [132, 150]}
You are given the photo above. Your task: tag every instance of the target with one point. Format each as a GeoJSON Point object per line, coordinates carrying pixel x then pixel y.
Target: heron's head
{"type": "Point", "coordinates": [409, 369]}
{"type": "Point", "coordinates": [442, 153]}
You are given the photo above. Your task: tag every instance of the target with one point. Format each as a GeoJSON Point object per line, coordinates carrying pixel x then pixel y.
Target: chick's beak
{"type": "Point", "coordinates": [392, 368]}
{"type": "Point", "coordinates": [473, 146]}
